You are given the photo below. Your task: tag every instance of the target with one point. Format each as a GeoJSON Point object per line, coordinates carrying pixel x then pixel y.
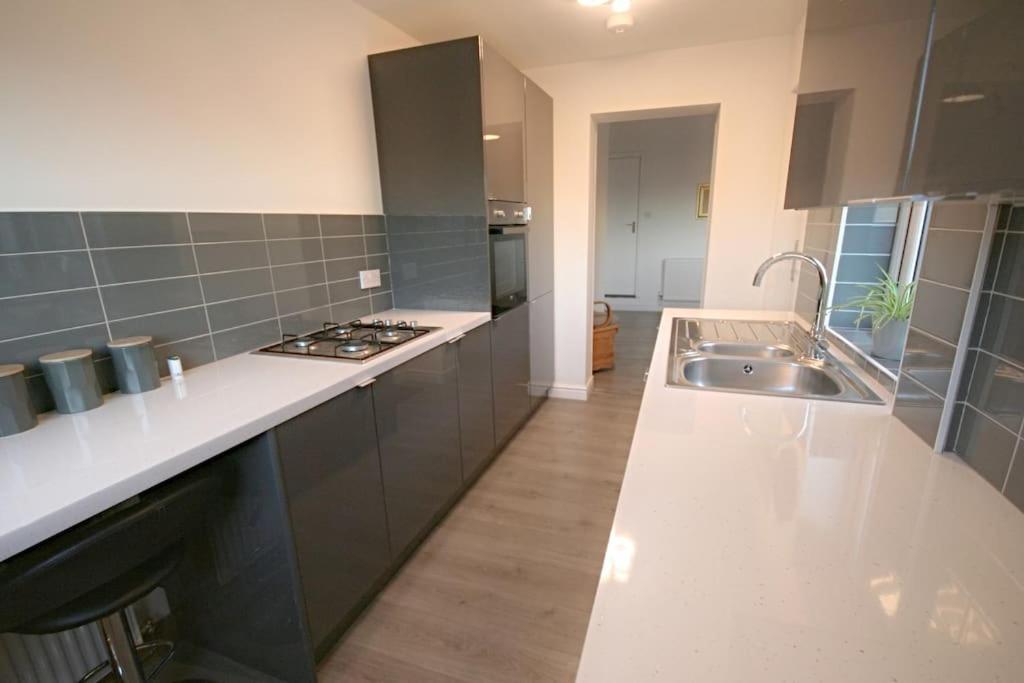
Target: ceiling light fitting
{"type": "Point", "coordinates": [620, 23]}
{"type": "Point", "coordinates": [620, 5]}
{"type": "Point", "coordinates": [491, 136]}
{"type": "Point", "coordinates": [592, 3]}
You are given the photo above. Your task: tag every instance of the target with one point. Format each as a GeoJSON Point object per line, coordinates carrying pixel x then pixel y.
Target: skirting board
{"type": "Point", "coordinates": [573, 392]}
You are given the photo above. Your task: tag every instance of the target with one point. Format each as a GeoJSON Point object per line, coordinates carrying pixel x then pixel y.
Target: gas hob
{"type": "Point", "coordinates": [352, 341]}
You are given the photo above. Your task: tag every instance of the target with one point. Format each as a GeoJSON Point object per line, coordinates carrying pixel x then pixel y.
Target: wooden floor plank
{"type": "Point", "coordinates": [502, 590]}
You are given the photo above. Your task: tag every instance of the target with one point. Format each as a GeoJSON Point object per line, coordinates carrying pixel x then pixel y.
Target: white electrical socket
{"type": "Point", "coordinates": [369, 278]}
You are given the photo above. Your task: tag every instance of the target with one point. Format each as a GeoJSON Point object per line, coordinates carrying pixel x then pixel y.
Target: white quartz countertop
{"type": "Point", "coordinates": [779, 539]}
{"type": "Point", "coordinates": [71, 467]}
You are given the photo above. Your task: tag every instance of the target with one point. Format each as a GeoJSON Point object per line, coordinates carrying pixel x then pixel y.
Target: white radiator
{"type": "Point", "coordinates": [682, 279]}
{"type": "Point", "coordinates": [58, 658]}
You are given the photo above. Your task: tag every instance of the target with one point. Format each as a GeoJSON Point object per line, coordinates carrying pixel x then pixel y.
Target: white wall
{"type": "Point", "coordinates": [753, 82]}
{"type": "Point", "coordinates": [675, 157]}
{"type": "Point", "coordinates": [190, 104]}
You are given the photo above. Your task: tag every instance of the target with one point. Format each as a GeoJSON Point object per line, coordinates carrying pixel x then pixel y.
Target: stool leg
{"type": "Point", "coordinates": [124, 661]}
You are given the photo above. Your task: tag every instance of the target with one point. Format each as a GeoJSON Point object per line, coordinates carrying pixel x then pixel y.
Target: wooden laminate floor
{"type": "Point", "coordinates": [502, 590]}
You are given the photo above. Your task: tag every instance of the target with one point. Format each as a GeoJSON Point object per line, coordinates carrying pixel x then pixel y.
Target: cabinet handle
{"type": "Point", "coordinates": [366, 383]}
{"type": "Point", "coordinates": [457, 339]}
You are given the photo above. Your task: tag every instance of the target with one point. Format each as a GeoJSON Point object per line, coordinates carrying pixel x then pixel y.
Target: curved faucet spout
{"type": "Point", "coordinates": [818, 343]}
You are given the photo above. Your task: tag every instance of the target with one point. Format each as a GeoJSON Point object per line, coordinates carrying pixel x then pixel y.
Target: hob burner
{"type": "Point", "coordinates": [353, 345]}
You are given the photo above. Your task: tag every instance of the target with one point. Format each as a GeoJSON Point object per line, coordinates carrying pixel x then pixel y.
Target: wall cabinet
{"type": "Point", "coordinates": [510, 360]}
{"type": "Point", "coordinates": [417, 411]}
{"type": "Point", "coordinates": [332, 479]}
{"type": "Point", "coordinates": [476, 400]}
{"type": "Point", "coordinates": [504, 112]}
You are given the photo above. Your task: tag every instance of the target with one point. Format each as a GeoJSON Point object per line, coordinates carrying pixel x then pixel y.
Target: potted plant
{"type": "Point", "coordinates": [888, 303]}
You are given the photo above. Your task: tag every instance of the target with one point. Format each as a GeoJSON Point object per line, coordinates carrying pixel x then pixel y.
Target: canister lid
{"type": "Point", "coordinates": [127, 342]}
{"type": "Point", "coordinates": [12, 369]}
{"type": "Point", "coordinates": [65, 356]}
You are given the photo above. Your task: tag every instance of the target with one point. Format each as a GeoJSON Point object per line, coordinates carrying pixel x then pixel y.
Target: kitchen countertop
{"type": "Point", "coordinates": [71, 467]}
{"type": "Point", "coordinates": [779, 539]}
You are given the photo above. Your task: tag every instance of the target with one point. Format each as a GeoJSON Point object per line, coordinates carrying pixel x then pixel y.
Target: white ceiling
{"type": "Point", "coordinates": [533, 33]}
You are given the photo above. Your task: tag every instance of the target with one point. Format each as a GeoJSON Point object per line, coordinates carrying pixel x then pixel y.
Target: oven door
{"type": "Point", "coordinates": [508, 269]}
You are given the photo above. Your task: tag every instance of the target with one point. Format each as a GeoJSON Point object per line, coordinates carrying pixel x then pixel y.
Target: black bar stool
{"type": "Point", "coordinates": [95, 570]}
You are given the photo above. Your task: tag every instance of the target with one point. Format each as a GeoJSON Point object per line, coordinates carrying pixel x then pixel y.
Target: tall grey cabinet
{"type": "Point", "coordinates": [540, 178]}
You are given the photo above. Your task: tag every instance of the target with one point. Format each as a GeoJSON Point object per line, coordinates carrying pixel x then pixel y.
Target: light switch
{"type": "Point", "coordinates": [369, 278]}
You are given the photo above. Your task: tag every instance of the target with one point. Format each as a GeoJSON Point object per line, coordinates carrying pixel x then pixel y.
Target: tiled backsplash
{"type": "Point", "coordinates": [203, 285]}
{"type": "Point", "coordinates": [440, 262]}
{"type": "Point", "coordinates": [868, 234]}
{"type": "Point", "coordinates": [945, 276]}
{"type": "Point", "coordinates": [988, 423]}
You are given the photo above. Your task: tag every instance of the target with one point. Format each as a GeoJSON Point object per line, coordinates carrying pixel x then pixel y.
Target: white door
{"type": "Point", "coordinates": [618, 266]}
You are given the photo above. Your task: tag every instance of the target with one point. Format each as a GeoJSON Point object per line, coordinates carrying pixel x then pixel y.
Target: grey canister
{"type": "Point", "coordinates": [16, 412]}
{"type": "Point", "coordinates": [72, 380]}
{"type": "Point", "coordinates": [135, 364]}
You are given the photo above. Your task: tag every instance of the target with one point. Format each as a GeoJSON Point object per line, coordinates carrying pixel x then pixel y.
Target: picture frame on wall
{"type": "Point", "coordinates": [703, 200]}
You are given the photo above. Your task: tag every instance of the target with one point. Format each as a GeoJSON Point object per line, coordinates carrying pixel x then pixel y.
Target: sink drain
{"type": "Point", "coordinates": [748, 369]}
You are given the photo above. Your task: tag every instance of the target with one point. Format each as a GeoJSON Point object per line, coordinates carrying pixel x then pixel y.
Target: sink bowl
{"type": "Point", "coordinates": [762, 376]}
{"type": "Point", "coordinates": [745, 349]}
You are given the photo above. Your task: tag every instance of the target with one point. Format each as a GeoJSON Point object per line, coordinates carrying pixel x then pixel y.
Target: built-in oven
{"type": "Point", "coordinates": [508, 234]}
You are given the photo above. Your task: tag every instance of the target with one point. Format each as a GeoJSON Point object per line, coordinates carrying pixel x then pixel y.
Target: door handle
{"type": "Point", "coordinates": [457, 339]}
{"type": "Point", "coordinates": [632, 227]}
{"type": "Point", "coordinates": [366, 383]}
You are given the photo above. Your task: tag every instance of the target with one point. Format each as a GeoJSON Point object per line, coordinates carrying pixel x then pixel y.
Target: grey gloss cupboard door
{"type": "Point", "coordinates": [504, 127]}
{"type": "Point", "coordinates": [542, 347]}
{"type": "Point", "coordinates": [510, 359]}
{"type": "Point", "coordinates": [332, 477]}
{"type": "Point", "coordinates": [417, 409]}
{"type": "Point", "coordinates": [476, 403]}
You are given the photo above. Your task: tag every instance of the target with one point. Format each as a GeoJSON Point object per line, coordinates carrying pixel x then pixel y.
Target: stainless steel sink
{"type": "Point", "coordinates": [758, 357]}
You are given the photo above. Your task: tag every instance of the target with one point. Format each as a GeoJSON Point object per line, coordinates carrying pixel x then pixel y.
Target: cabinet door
{"type": "Point", "coordinates": [857, 102]}
{"type": "Point", "coordinates": [476, 403]}
{"type": "Point", "coordinates": [417, 407]}
{"type": "Point", "coordinates": [510, 360]}
{"type": "Point", "coordinates": [969, 137]}
{"type": "Point", "coordinates": [504, 115]}
{"type": "Point", "coordinates": [332, 478]}
{"type": "Point", "coordinates": [540, 179]}
{"type": "Point", "coordinates": [542, 347]}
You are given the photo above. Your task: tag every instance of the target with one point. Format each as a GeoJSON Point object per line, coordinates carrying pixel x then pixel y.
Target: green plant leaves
{"type": "Point", "coordinates": [883, 301]}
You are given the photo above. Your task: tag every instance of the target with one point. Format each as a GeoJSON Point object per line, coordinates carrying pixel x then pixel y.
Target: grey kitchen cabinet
{"type": "Point", "coordinates": [504, 113]}
{"type": "Point", "coordinates": [510, 360]}
{"type": "Point", "coordinates": [857, 100]}
{"type": "Point", "coordinates": [542, 347]}
{"type": "Point", "coordinates": [417, 413]}
{"type": "Point", "coordinates": [476, 402]}
{"type": "Point", "coordinates": [332, 477]}
{"type": "Point", "coordinates": [969, 135]}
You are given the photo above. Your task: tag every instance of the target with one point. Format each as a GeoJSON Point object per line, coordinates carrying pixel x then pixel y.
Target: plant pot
{"type": "Point", "coordinates": [888, 340]}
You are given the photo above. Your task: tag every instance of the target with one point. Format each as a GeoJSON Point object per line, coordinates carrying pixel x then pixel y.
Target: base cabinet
{"type": "Point", "coordinates": [417, 409]}
{"type": "Point", "coordinates": [476, 402]}
{"type": "Point", "coordinates": [510, 361]}
{"type": "Point", "coordinates": [332, 479]}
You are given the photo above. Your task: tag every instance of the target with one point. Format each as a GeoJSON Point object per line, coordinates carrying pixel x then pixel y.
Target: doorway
{"type": "Point", "coordinates": [652, 208]}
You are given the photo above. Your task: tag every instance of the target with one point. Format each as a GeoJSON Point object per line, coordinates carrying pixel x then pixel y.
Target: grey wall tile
{"type": "Point", "coordinates": [376, 244]}
{"type": "Point", "coordinates": [346, 269]}
{"type": "Point", "coordinates": [959, 215]}
{"type": "Point", "coordinates": [298, 275]}
{"type": "Point", "coordinates": [193, 353]}
{"type": "Point", "coordinates": [130, 229]}
{"type": "Point", "coordinates": [382, 302]}
{"type": "Point", "coordinates": [344, 291]}
{"type": "Point", "coordinates": [295, 251]}
{"type": "Point", "coordinates": [28, 315]}
{"type": "Point", "coordinates": [283, 225]}
{"type": "Point", "coordinates": [306, 321]}
{"type": "Point", "coordinates": [380, 262]}
{"type": "Point", "coordinates": [968, 371]}
{"type": "Point", "coordinates": [1011, 266]}
{"type": "Point", "coordinates": [224, 227]}
{"type": "Point", "coordinates": [1016, 221]}
{"type": "Point", "coordinates": [241, 312]}
{"type": "Point", "coordinates": [985, 446]}
{"type": "Point", "coordinates": [997, 389]}
{"type": "Point", "coordinates": [339, 225]}
{"type": "Point", "coordinates": [164, 327]}
{"type": "Point", "coordinates": [40, 231]}
{"type": "Point", "coordinates": [950, 257]}
{"type": "Point", "coordinates": [142, 263]}
{"type": "Point", "coordinates": [917, 408]}
{"type": "Point", "coordinates": [239, 283]}
{"type": "Point", "coordinates": [374, 225]}
{"type": "Point", "coordinates": [1004, 330]}
{"type": "Point", "coordinates": [980, 317]}
{"type": "Point", "coordinates": [297, 300]}
{"type": "Point", "coordinates": [868, 239]}
{"type": "Point", "coordinates": [353, 310]}
{"type": "Point", "coordinates": [344, 247]}
{"type": "Point", "coordinates": [248, 338]}
{"type": "Point", "coordinates": [220, 257]}
{"type": "Point", "coordinates": [928, 361]}
{"type": "Point", "coordinates": [1015, 483]}
{"type": "Point", "coordinates": [28, 350]}
{"type": "Point", "coordinates": [31, 273]}
{"type": "Point", "coordinates": [121, 301]}
{"type": "Point", "coordinates": [992, 264]}
{"type": "Point", "coordinates": [939, 311]}
{"type": "Point", "coordinates": [862, 268]}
